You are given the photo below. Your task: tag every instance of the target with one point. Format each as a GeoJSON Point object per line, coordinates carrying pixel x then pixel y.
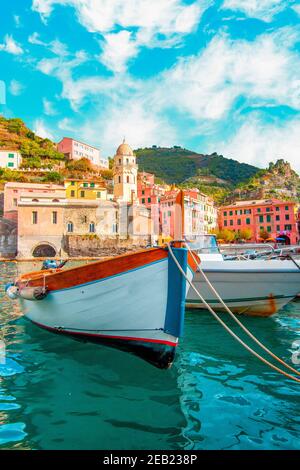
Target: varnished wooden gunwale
{"type": "Point", "coordinates": [71, 277]}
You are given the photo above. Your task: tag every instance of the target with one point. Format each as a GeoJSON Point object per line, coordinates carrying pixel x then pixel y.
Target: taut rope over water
{"type": "Point", "coordinates": [248, 332]}
{"type": "Point", "coordinates": [262, 359]}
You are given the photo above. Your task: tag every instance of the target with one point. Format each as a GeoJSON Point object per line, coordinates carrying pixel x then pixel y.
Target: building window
{"type": "Point", "coordinates": [82, 193]}
{"type": "Point", "coordinates": [149, 199]}
{"type": "Point", "coordinates": [268, 218]}
{"type": "Point", "coordinates": [225, 214]}
{"type": "Point", "coordinates": [247, 211]}
{"type": "Point", "coordinates": [11, 155]}
{"type": "Point", "coordinates": [268, 209]}
{"type": "Point", "coordinates": [72, 183]}
{"type": "Point", "coordinates": [72, 193]}
{"type": "Point", "coordinates": [230, 212]}
{"type": "Point", "coordinates": [34, 217]}
{"type": "Point", "coordinates": [11, 164]}
{"type": "Point", "coordinates": [287, 217]}
{"type": "Point", "coordinates": [92, 185]}
{"type": "Point", "coordinates": [54, 217]}
{"type": "Point", "coordinates": [169, 213]}
{"type": "Point", "coordinates": [269, 229]}
{"type": "Point", "coordinates": [277, 217]}
{"type": "Point", "coordinates": [261, 218]}
{"type": "Point", "coordinates": [286, 208]}
{"type": "Point", "coordinates": [119, 179]}
{"type": "Point", "coordinates": [143, 200]}
{"type": "Point", "coordinates": [127, 161]}
{"type": "Point", "coordinates": [278, 228]}
{"type": "Point", "coordinates": [15, 202]}
{"type": "Point", "coordinates": [70, 227]}
{"type": "Point", "coordinates": [277, 209]}
{"type": "Point", "coordinates": [85, 185]}
{"type": "Point", "coordinates": [248, 221]}
{"type": "Point", "coordinates": [225, 223]}
{"type": "Point", "coordinates": [259, 209]}
{"type": "Point", "coordinates": [288, 227]}
{"type": "Point", "coordinates": [239, 222]}
{"type": "Point", "coordinates": [35, 200]}
{"type": "Point", "coordinates": [143, 192]}
{"type": "Point", "coordinates": [231, 222]}
{"type": "Point", "coordinates": [92, 227]}
{"type": "Point", "coordinates": [98, 194]}
{"type": "Point", "coordinates": [127, 179]}
{"type": "Point", "coordinates": [120, 161]}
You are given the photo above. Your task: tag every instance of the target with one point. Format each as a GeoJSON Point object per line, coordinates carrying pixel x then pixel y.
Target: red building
{"type": "Point", "coordinates": [275, 217]}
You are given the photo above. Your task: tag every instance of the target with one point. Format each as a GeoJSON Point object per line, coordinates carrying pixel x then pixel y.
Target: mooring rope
{"type": "Point", "coordinates": [239, 340]}
{"type": "Point", "coordinates": [244, 328]}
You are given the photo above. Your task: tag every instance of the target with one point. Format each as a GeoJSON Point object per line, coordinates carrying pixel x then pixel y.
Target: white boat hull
{"type": "Point", "coordinates": [252, 287]}
{"type": "Point", "coordinates": [140, 310]}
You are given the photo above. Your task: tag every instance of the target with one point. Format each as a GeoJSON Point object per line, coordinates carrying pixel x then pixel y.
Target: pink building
{"type": "Point", "coordinates": [75, 150]}
{"type": "Point", "coordinates": [149, 195]}
{"type": "Point", "coordinates": [13, 192]}
{"type": "Point", "coordinates": [273, 216]}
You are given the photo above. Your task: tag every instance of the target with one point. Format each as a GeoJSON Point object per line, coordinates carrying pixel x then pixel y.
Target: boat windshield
{"type": "Point", "coordinates": [205, 244]}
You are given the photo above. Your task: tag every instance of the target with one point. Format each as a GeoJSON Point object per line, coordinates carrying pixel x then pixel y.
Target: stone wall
{"type": "Point", "coordinates": [94, 246]}
{"type": "Point", "coordinates": [8, 238]}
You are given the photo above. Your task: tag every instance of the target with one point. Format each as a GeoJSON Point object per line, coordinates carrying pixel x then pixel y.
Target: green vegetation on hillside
{"type": "Point", "coordinates": [176, 165]}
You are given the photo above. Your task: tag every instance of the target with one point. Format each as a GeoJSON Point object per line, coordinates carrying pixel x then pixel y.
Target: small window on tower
{"type": "Point", "coordinates": [127, 179]}
{"type": "Point", "coordinates": [119, 179]}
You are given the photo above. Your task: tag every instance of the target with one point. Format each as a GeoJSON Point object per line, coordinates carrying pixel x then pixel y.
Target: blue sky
{"type": "Point", "coordinates": [208, 75]}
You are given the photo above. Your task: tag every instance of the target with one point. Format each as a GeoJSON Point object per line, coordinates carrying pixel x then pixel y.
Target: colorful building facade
{"type": "Point", "coordinates": [13, 192]}
{"type": "Point", "coordinates": [125, 174]}
{"type": "Point", "coordinates": [272, 216]}
{"type": "Point", "coordinates": [88, 189]}
{"type": "Point", "coordinates": [10, 159]}
{"type": "Point", "coordinates": [75, 150]}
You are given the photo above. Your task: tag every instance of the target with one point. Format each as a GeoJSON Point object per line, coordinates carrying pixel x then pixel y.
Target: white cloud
{"type": "Point", "coordinates": [140, 126]}
{"type": "Point", "coordinates": [264, 10]}
{"type": "Point", "coordinates": [118, 48]}
{"type": "Point", "coordinates": [296, 8]}
{"type": "Point", "coordinates": [17, 21]}
{"type": "Point", "coordinates": [49, 107]}
{"type": "Point", "coordinates": [16, 88]}
{"type": "Point", "coordinates": [39, 128]}
{"type": "Point", "coordinates": [34, 38]}
{"type": "Point", "coordinates": [153, 22]}
{"type": "Point", "coordinates": [264, 72]}
{"type": "Point", "coordinates": [258, 144]}
{"type": "Point", "coordinates": [11, 46]}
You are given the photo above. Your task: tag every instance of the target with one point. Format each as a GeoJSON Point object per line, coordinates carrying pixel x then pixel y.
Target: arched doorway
{"type": "Point", "coordinates": [285, 239]}
{"type": "Point", "coordinates": [44, 251]}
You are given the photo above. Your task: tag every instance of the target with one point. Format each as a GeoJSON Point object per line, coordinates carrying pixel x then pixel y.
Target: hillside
{"type": "Point", "coordinates": [178, 165]}
{"type": "Point", "coordinates": [279, 180]}
{"type": "Point", "coordinates": [41, 162]}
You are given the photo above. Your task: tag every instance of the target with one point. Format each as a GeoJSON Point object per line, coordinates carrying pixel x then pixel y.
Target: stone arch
{"type": "Point", "coordinates": [44, 250]}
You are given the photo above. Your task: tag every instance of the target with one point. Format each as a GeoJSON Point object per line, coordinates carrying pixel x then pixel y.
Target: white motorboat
{"type": "Point", "coordinates": [253, 287]}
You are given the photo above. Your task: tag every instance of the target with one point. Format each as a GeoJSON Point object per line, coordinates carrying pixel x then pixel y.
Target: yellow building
{"type": "Point", "coordinates": [85, 189]}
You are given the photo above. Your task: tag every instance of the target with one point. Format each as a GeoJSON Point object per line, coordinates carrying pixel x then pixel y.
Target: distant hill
{"type": "Point", "coordinates": [178, 165]}
{"type": "Point", "coordinates": [279, 180]}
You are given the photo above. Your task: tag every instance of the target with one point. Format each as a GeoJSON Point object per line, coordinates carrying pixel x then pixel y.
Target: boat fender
{"type": "Point", "coordinates": [12, 291]}
{"type": "Point", "coordinates": [33, 293]}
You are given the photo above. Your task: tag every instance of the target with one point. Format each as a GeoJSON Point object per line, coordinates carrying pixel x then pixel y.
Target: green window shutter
{"type": "Point", "coordinates": [11, 155]}
{"type": "Point", "coordinates": [11, 164]}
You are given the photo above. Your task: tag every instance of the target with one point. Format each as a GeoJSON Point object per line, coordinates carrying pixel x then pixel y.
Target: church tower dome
{"type": "Point", "coordinates": [125, 173]}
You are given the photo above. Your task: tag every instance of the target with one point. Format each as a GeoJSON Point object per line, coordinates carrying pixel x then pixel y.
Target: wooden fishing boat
{"type": "Point", "coordinates": [133, 302]}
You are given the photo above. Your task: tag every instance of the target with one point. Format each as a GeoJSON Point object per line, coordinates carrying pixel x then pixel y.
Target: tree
{"type": "Point", "coordinates": [83, 165]}
{"type": "Point", "coordinates": [245, 234]}
{"type": "Point", "coordinates": [264, 235]}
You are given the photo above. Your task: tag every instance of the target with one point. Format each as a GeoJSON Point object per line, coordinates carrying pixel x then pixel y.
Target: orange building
{"type": "Point", "coordinates": [275, 217]}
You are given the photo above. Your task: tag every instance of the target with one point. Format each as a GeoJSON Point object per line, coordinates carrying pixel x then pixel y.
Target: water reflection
{"type": "Point", "coordinates": [56, 393]}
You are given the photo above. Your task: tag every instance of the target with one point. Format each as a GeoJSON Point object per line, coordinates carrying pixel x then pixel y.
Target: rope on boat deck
{"type": "Point", "coordinates": [248, 332]}
{"type": "Point", "coordinates": [239, 340]}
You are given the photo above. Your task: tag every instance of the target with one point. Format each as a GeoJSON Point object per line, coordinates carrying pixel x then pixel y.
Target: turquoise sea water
{"type": "Point", "coordinates": [56, 393]}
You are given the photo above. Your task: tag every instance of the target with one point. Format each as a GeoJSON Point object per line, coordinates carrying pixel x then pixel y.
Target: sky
{"type": "Point", "coordinates": [211, 76]}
